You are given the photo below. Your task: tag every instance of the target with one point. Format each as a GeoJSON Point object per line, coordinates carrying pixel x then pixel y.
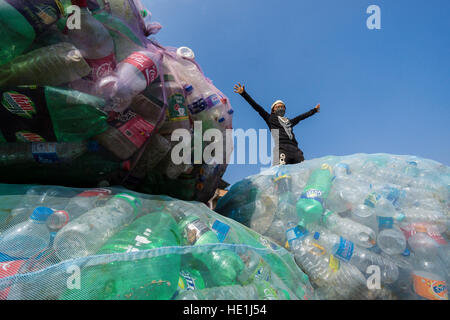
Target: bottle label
{"type": "Point", "coordinates": [39, 14]}
{"type": "Point", "coordinates": [429, 288]}
{"type": "Point", "coordinates": [334, 264]}
{"type": "Point", "coordinates": [212, 101]}
{"type": "Point", "coordinates": [8, 269]}
{"type": "Point", "coordinates": [221, 230]}
{"type": "Point", "coordinates": [295, 233]}
{"type": "Point", "coordinates": [177, 110]}
{"type": "Point", "coordinates": [194, 231]}
{"type": "Point", "coordinates": [372, 199]}
{"type": "Point", "coordinates": [411, 229]}
{"type": "Point", "coordinates": [313, 194]}
{"type": "Point", "coordinates": [137, 130]}
{"type": "Point", "coordinates": [26, 136]}
{"type": "Point", "coordinates": [44, 152]}
{"type": "Point", "coordinates": [385, 222]}
{"type": "Point", "coordinates": [186, 281]}
{"type": "Point", "coordinates": [101, 67]}
{"type": "Point", "coordinates": [198, 106]}
{"type": "Point", "coordinates": [143, 64]}
{"type": "Point", "coordinates": [345, 249]}
{"type": "Point", "coordinates": [262, 272]}
{"type": "Point", "coordinates": [24, 115]}
{"type": "Point", "coordinates": [132, 126]}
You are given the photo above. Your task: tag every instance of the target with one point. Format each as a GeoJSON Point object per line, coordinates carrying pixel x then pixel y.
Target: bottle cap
{"type": "Point", "coordinates": [185, 52]}
{"type": "Point", "coordinates": [316, 235]}
{"type": "Point", "coordinates": [188, 88]}
{"type": "Point", "coordinates": [41, 214]}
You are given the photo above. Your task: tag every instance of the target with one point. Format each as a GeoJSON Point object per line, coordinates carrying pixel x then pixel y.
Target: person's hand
{"type": "Point", "coordinates": [317, 107]}
{"type": "Point", "coordinates": [239, 89]}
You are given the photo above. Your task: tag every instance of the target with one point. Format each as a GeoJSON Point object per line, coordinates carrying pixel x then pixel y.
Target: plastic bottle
{"type": "Point", "coordinates": [76, 206]}
{"type": "Point", "coordinates": [156, 150]}
{"type": "Point", "coordinates": [190, 279]}
{"type": "Point", "coordinates": [132, 76]}
{"type": "Point", "coordinates": [310, 206]}
{"type": "Point", "coordinates": [50, 114]}
{"type": "Point", "coordinates": [177, 114]}
{"type": "Point", "coordinates": [49, 66]}
{"type": "Point", "coordinates": [55, 198]}
{"type": "Point", "coordinates": [256, 269]}
{"type": "Point", "coordinates": [345, 250]}
{"type": "Point", "coordinates": [94, 42]}
{"type": "Point", "coordinates": [338, 278]}
{"type": "Point", "coordinates": [42, 152]}
{"type": "Point", "coordinates": [429, 274]}
{"type": "Point", "coordinates": [87, 234]}
{"type": "Point", "coordinates": [29, 238]}
{"type": "Point", "coordinates": [390, 238]}
{"type": "Point", "coordinates": [126, 134]}
{"type": "Point", "coordinates": [21, 22]}
{"type": "Point", "coordinates": [195, 232]}
{"type": "Point", "coordinates": [349, 229]}
{"type": "Point", "coordinates": [254, 291]}
{"type": "Point", "coordinates": [152, 277]}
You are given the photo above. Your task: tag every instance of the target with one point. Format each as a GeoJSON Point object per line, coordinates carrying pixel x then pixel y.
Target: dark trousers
{"type": "Point", "coordinates": [288, 155]}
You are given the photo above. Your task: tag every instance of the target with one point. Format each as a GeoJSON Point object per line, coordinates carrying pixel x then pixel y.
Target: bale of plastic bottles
{"type": "Point", "coordinates": [87, 99]}
{"type": "Point", "coordinates": [115, 244]}
{"type": "Point", "coordinates": [361, 226]}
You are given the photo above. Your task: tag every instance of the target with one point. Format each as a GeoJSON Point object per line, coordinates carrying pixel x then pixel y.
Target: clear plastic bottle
{"type": "Point", "coordinates": [254, 291]}
{"type": "Point", "coordinates": [76, 206]}
{"type": "Point", "coordinates": [337, 279]}
{"type": "Point", "coordinates": [132, 76]}
{"type": "Point", "coordinates": [49, 66]}
{"type": "Point", "coordinates": [41, 152]}
{"type": "Point", "coordinates": [359, 257]}
{"type": "Point", "coordinates": [28, 238]}
{"type": "Point", "coordinates": [55, 198]}
{"type": "Point", "coordinates": [177, 114]}
{"type": "Point", "coordinates": [429, 274]}
{"type": "Point", "coordinates": [94, 42]}
{"type": "Point", "coordinates": [349, 229]}
{"type": "Point", "coordinates": [86, 234]}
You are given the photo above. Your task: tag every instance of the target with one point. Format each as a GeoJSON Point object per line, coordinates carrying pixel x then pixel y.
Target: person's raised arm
{"type": "Point", "coordinates": [241, 90]}
{"type": "Point", "coordinates": [305, 115]}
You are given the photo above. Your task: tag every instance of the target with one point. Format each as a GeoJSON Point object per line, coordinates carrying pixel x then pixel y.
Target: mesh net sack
{"type": "Point", "coordinates": [61, 243]}
{"type": "Point", "coordinates": [98, 104]}
{"type": "Point", "coordinates": [361, 226]}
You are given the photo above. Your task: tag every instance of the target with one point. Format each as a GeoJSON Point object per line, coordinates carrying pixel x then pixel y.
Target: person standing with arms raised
{"type": "Point", "coordinates": [289, 152]}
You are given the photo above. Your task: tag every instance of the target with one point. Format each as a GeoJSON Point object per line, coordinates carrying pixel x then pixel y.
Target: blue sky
{"type": "Point", "coordinates": [382, 90]}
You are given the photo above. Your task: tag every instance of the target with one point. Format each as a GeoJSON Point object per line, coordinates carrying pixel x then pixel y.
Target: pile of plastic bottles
{"type": "Point", "coordinates": [87, 99]}
{"type": "Point", "coordinates": [361, 226]}
{"type": "Point", "coordinates": [111, 243]}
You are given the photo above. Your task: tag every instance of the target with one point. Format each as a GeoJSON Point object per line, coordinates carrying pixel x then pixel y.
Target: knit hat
{"type": "Point", "coordinates": [275, 103]}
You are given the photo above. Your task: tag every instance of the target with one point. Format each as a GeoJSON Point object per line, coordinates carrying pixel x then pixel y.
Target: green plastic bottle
{"type": "Point", "coordinates": [310, 205]}
{"type": "Point", "coordinates": [22, 21]}
{"type": "Point", "coordinates": [50, 114]}
{"type": "Point", "coordinates": [224, 265]}
{"type": "Point", "coordinates": [146, 278]}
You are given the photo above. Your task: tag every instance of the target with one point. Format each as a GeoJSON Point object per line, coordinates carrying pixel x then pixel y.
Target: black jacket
{"type": "Point", "coordinates": [284, 125]}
